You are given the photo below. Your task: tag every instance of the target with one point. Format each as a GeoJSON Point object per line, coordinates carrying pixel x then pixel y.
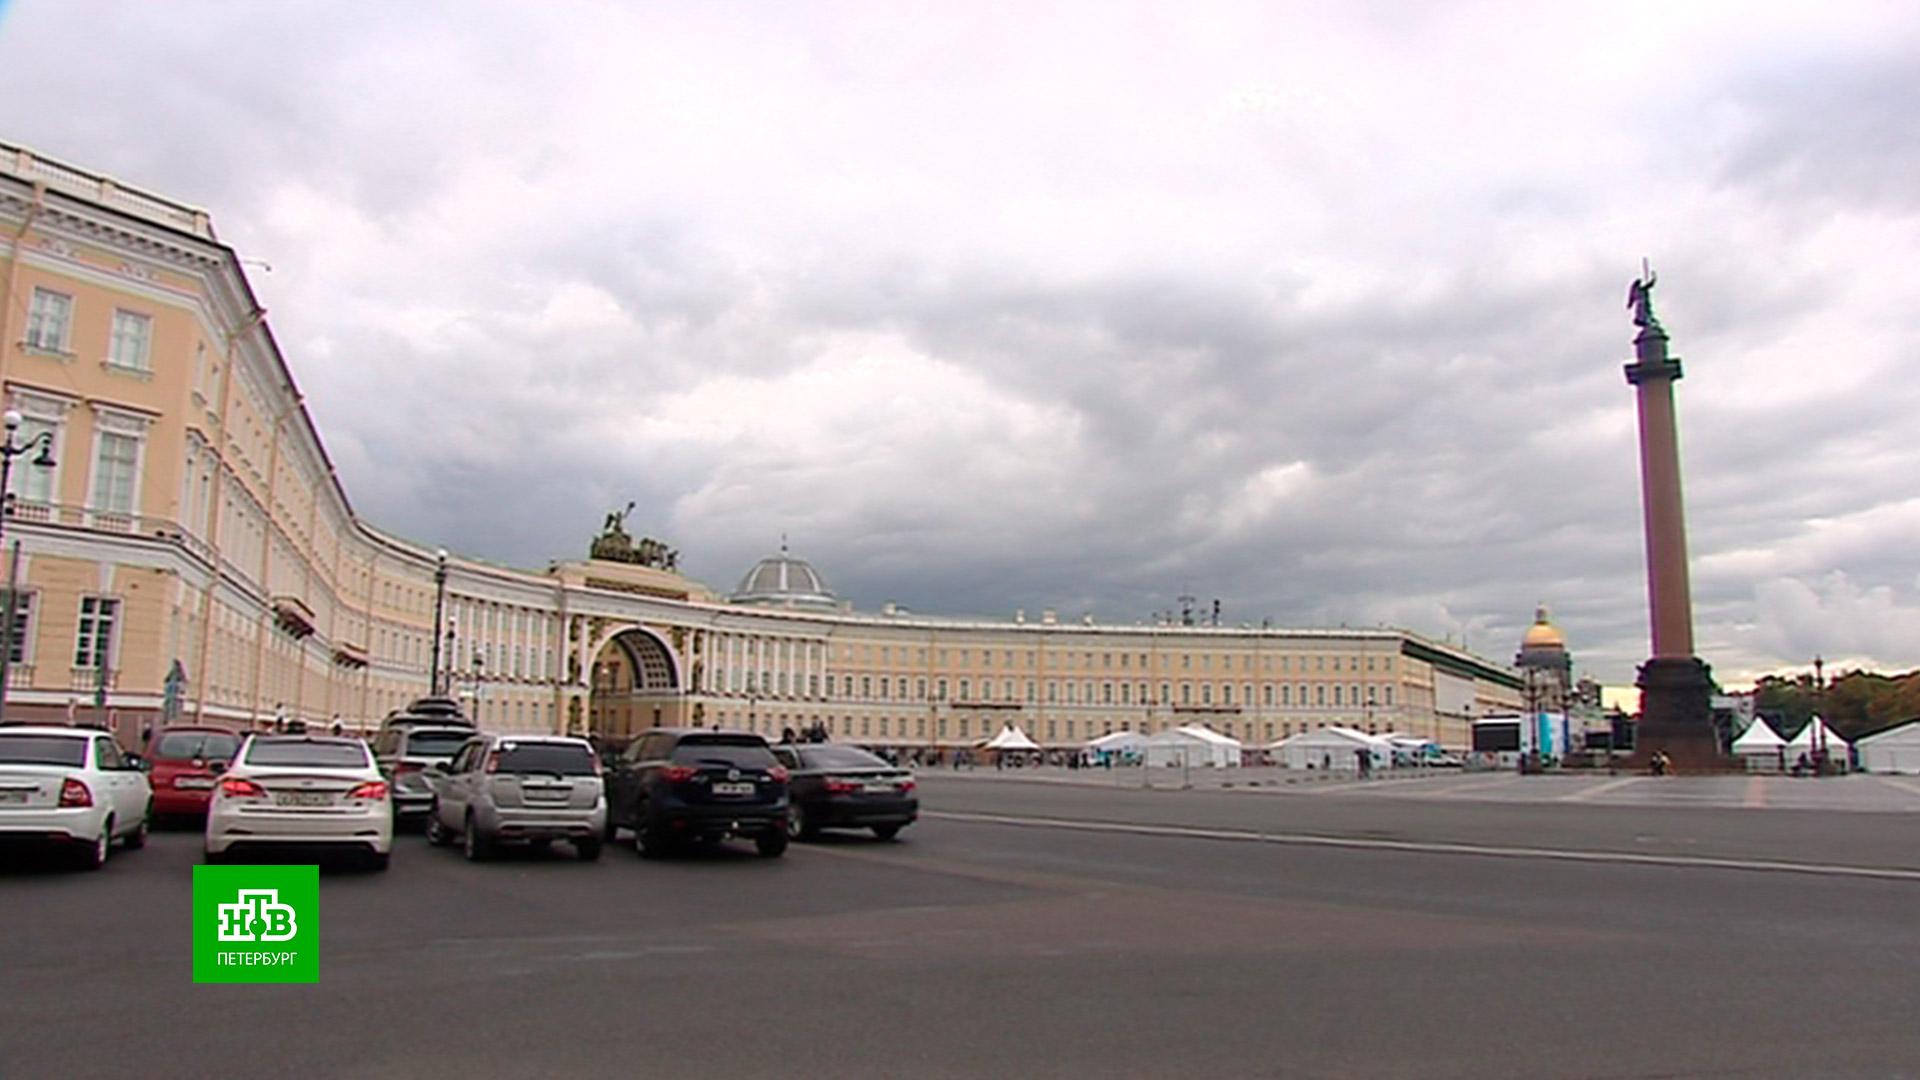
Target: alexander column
{"type": "Point", "coordinates": [1676, 713]}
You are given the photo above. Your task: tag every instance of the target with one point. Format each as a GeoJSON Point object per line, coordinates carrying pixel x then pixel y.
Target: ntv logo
{"type": "Point", "coordinates": [257, 915]}
{"type": "Point", "coordinates": [256, 924]}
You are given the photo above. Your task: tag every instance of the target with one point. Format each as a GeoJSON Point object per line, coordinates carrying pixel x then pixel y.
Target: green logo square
{"type": "Point", "coordinates": [256, 924]}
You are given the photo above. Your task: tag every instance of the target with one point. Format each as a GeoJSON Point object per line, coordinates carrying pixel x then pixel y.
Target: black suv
{"type": "Point", "coordinates": [675, 786]}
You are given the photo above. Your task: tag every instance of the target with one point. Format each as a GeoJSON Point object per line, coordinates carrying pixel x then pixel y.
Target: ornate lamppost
{"type": "Point", "coordinates": [439, 610]}
{"type": "Point", "coordinates": [8, 451]}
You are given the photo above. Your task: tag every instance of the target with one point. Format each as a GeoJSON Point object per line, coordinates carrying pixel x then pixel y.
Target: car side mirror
{"type": "Point", "coordinates": [138, 763]}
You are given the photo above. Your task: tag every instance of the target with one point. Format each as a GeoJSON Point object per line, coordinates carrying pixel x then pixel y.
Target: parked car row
{"type": "Point", "coordinates": [670, 789]}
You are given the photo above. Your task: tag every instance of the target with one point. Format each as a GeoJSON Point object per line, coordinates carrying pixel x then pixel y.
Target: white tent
{"type": "Point", "coordinates": [1814, 736]}
{"type": "Point", "coordinates": [1331, 747]}
{"type": "Point", "coordinates": [1011, 738]}
{"type": "Point", "coordinates": [1119, 742]}
{"type": "Point", "coordinates": [1759, 746]}
{"type": "Point", "coordinates": [1895, 750]}
{"type": "Point", "coordinates": [1194, 746]}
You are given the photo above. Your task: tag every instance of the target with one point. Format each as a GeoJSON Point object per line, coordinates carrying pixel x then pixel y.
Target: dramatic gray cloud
{"type": "Point", "coordinates": [1079, 306]}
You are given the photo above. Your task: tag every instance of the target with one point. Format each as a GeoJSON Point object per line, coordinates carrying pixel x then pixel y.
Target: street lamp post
{"type": "Point", "coordinates": [439, 610]}
{"type": "Point", "coordinates": [8, 451]}
{"type": "Point", "coordinates": [479, 672]}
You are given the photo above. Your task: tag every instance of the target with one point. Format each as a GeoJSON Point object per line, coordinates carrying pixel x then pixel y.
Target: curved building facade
{"type": "Point", "coordinates": [191, 553]}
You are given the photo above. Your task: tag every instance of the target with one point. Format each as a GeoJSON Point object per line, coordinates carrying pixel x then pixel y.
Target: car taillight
{"type": "Point", "coordinates": [401, 767]}
{"type": "Point", "coordinates": [839, 786]}
{"type": "Point", "coordinates": [778, 774]}
{"type": "Point", "coordinates": [75, 793]}
{"type": "Point", "coordinates": [371, 790]}
{"type": "Point", "coordinates": [677, 774]}
{"type": "Point", "coordinates": [235, 788]}
{"type": "Point", "coordinates": [907, 784]}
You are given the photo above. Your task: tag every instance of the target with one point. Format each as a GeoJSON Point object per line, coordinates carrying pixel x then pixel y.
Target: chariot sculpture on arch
{"type": "Point", "coordinates": [615, 544]}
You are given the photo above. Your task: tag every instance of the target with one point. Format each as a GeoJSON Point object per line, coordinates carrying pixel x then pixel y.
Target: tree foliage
{"type": "Point", "coordinates": [1853, 703]}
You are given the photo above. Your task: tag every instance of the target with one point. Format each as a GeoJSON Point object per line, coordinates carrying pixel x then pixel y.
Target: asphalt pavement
{"type": "Point", "coordinates": [1034, 930]}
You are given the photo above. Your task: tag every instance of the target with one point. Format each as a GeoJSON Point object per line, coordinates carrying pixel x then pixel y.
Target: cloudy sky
{"type": "Point", "coordinates": [1317, 310]}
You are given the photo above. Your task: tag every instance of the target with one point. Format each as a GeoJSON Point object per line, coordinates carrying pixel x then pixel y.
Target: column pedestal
{"type": "Point", "coordinates": [1676, 715]}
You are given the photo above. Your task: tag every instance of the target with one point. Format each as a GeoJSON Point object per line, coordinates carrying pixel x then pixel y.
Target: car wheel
{"type": "Point", "coordinates": [94, 855]}
{"type": "Point", "coordinates": [213, 858]}
{"type": "Point", "coordinates": [886, 832]}
{"type": "Point", "coordinates": [137, 839]}
{"type": "Point", "coordinates": [771, 845]}
{"type": "Point", "coordinates": [378, 861]}
{"type": "Point", "coordinates": [587, 848]}
{"type": "Point", "coordinates": [437, 833]}
{"type": "Point", "coordinates": [800, 824]}
{"type": "Point", "coordinates": [650, 841]}
{"type": "Point", "coordinates": [475, 846]}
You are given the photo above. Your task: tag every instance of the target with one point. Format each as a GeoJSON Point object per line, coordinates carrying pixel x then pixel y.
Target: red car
{"type": "Point", "coordinates": [184, 762]}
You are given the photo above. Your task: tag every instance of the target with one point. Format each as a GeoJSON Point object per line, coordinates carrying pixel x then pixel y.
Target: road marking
{"type": "Point", "coordinates": [1435, 847]}
{"type": "Point", "coordinates": [1598, 790]}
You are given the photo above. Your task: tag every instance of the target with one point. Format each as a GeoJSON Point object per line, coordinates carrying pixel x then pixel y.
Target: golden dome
{"type": "Point", "coordinates": [1543, 634]}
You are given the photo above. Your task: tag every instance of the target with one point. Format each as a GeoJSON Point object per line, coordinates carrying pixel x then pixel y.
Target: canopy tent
{"type": "Point", "coordinates": [1816, 735]}
{"type": "Point", "coordinates": [1193, 745]}
{"type": "Point", "coordinates": [1759, 738]}
{"type": "Point", "coordinates": [1119, 742]}
{"type": "Point", "coordinates": [1330, 748]}
{"type": "Point", "coordinates": [1411, 749]}
{"type": "Point", "coordinates": [1894, 750]}
{"type": "Point", "coordinates": [1760, 747]}
{"type": "Point", "coordinates": [1011, 738]}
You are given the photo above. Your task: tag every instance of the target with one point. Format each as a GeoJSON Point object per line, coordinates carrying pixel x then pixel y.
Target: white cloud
{"type": "Point", "coordinates": [1318, 311]}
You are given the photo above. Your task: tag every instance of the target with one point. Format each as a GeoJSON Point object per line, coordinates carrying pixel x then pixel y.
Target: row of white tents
{"type": "Point", "coordinates": [1199, 747]}
{"type": "Point", "coordinates": [1761, 748]}
{"type": "Point", "coordinates": [1895, 750]}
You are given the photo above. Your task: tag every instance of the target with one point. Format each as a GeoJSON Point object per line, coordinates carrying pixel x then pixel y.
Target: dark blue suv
{"type": "Point", "coordinates": [677, 786]}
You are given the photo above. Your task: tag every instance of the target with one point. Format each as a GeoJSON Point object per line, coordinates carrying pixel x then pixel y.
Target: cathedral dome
{"type": "Point", "coordinates": [1542, 634]}
{"type": "Point", "coordinates": [784, 581]}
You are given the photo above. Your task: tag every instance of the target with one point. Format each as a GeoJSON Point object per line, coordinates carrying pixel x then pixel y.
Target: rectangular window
{"type": "Point", "coordinates": [22, 631]}
{"type": "Point", "coordinates": [128, 348]}
{"type": "Point", "coordinates": [115, 466]}
{"type": "Point", "coordinates": [48, 319]}
{"type": "Point", "coordinates": [95, 641]}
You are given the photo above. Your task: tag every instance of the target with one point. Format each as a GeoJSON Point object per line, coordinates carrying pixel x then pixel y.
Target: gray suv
{"type": "Point", "coordinates": [404, 754]}
{"type": "Point", "coordinates": [519, 788]}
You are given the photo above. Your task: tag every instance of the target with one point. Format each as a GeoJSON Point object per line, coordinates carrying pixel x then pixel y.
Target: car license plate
{"type": "Point", "coordinates": [15, 796]}
{"type": "Point", "coordinates": [190, 782]}
{"type": "Point", "coordinates": [545, 794]}
{"type": "Point", "coordinates": [881, 788]}
{"type": "Point", "coordinates": [742, 788]}
{"type": "Point", "coordinates": [302, 798]}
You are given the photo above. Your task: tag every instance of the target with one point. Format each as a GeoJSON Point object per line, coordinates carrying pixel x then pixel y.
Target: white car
{"type": "Point", "coordinates": [301, 791]}
{"type": "Point", "coordinates": [72, 786]}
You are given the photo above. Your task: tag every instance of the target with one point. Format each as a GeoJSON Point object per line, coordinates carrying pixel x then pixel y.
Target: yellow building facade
{"type": "Point", "coordinates": [191, 553]}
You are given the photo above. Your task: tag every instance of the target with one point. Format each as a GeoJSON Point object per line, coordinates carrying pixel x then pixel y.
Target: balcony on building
{"type": "Point", "coordinates": [293, 615]}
